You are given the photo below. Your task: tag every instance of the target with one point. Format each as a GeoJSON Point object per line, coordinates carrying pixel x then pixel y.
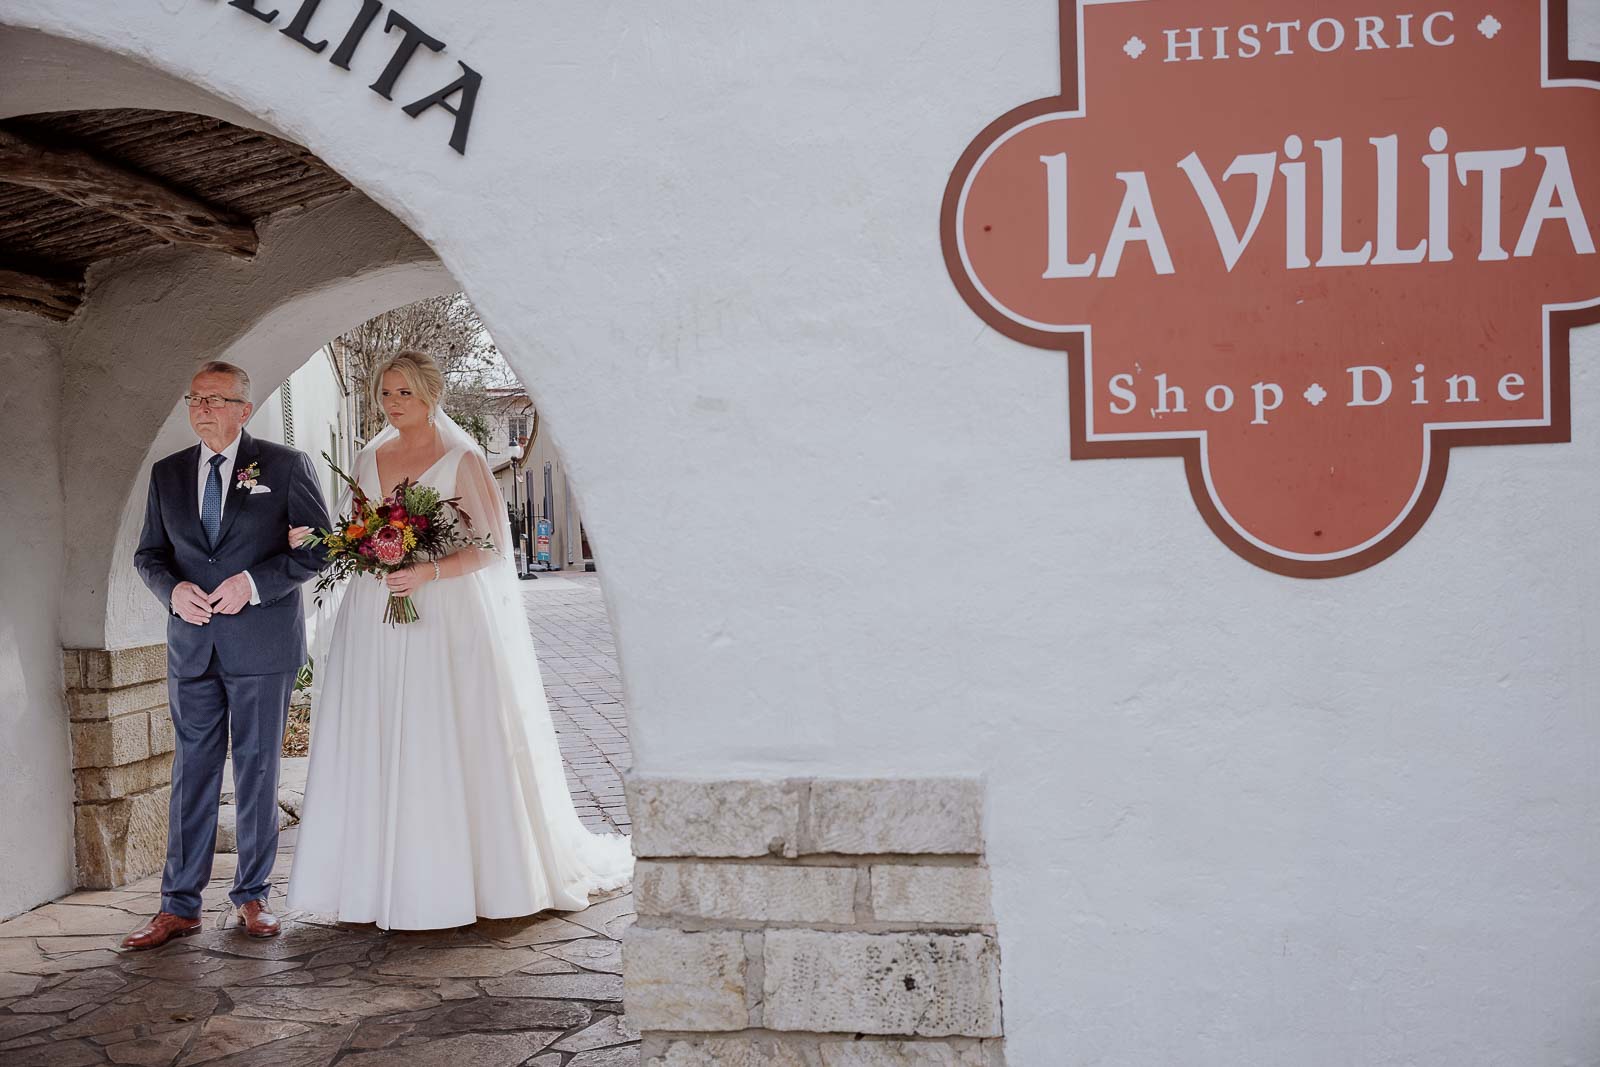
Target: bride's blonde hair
{"type": "Point", "coordinates": [420, 372]}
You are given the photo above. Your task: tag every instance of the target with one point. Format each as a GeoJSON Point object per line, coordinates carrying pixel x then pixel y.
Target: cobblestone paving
{"type": "Point", "coordinates": [579, 661]}
{"type": "Point", "coordinates": [543, 991]}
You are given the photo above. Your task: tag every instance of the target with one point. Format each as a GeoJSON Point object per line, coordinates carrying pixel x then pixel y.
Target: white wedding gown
{"type": "Point", "coordinates": [436, 793]}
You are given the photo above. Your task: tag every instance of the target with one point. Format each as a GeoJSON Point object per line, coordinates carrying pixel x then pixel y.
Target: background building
{"type": "Point", "coordinates": [316, 411]}
{"type": "Point", "coordinates": [533, 479]}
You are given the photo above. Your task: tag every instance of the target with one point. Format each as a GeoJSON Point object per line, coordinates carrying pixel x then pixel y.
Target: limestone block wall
{"type": "Point", "coordinates": [122, 745]}
{"type": "Point", "coordinates": [812, 923]}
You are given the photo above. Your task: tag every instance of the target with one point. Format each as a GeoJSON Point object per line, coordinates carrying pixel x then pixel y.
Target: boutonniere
{"type": "Point", "coordinates": [246, 478]}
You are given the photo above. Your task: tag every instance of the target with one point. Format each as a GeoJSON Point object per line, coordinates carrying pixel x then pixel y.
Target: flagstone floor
{"type": "Point", "coordinates": [544, 991]}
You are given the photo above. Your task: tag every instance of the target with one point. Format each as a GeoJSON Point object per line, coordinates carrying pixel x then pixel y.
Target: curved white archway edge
{"type": "Point", "coordinates": [1219, 803]}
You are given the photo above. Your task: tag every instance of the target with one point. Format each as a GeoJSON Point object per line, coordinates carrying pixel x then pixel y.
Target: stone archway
{"type": "Point", "coordinates": [752, 887]}
{"type": "Point", "coordinates": [156, 240]}
{"type": "Point", "coordinates": [316, 276]}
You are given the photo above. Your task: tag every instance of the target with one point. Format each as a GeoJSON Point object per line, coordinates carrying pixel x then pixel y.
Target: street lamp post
{"type": "Point", "coordinates": [519, 514]}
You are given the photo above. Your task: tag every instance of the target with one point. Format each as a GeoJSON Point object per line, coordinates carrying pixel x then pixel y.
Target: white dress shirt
{"type": "Point", "coordinates": [225, 472]}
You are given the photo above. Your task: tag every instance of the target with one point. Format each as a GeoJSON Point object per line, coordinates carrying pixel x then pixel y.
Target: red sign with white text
{"type": "Point", "coordinates": [1308, 252]}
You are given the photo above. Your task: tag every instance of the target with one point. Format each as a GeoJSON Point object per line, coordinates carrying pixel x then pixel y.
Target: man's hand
{"type": "Point", "coordinates": [191, 603]}
{"type": "Point", "coordinates": [231, 596]}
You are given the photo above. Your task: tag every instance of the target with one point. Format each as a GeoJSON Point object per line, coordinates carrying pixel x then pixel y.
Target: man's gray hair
{"type": "Point", "coordinates": [216, 366]}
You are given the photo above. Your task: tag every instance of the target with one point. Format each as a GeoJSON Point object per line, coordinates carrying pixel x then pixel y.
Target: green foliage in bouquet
{"type": "Point", "coordinates": [412, 523]}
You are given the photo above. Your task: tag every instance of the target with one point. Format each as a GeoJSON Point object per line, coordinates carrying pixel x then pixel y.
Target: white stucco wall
{"type": "Point", "coordinates": [1234, 818]}
{"type": "Point", "coordinates": [35, 764]}
{"type": "Point", "coordinates": [45, 73]}
{"type": "Point", "coordinates": [320, 417]}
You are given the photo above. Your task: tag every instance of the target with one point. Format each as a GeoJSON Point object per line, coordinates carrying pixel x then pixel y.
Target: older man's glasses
{"type": "Point", "coordinates": [208, 401]}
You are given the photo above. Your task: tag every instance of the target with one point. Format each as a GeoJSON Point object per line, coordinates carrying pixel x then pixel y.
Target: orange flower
{"type": "Point", "coordinates": [353, 532]}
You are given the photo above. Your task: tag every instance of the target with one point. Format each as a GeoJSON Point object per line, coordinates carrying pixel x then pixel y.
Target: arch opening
{"type": "Point", "coordinates": [146, 226]}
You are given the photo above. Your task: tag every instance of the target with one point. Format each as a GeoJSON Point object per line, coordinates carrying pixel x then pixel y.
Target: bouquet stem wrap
{"type": "Point", "coordinates": [400, 611]}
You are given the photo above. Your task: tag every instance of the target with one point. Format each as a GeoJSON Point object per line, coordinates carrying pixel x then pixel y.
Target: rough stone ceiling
{"type": "Point", "coordinates": [78, 187]}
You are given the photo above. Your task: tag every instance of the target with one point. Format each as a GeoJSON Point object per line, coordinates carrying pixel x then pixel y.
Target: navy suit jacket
{"type": "Point", "coordinates": [269, 638]}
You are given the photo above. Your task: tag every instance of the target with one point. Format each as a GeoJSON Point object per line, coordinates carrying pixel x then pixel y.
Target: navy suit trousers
{"type": "Point", "coordinates": [207, 711]}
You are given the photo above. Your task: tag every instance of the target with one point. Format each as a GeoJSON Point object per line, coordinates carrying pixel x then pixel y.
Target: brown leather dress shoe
{"type": "Point", "coordinates": [158, 931]}
{"type": "Point", "coordinates": [257, 920]}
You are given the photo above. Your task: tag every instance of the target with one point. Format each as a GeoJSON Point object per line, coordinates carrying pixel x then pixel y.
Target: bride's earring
{"type": "Point", "coordinates": [430, 418]}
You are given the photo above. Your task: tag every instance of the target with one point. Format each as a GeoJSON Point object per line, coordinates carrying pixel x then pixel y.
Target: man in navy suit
{"type": "Point", "coordinates": [215, 551]}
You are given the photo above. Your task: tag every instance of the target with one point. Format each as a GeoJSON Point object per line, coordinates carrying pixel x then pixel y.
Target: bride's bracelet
{"type": "Point", "coordinates": [435, 569]}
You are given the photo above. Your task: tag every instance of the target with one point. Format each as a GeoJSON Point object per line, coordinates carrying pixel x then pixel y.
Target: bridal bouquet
{"type": "Point", "coordinates": [410, 525]}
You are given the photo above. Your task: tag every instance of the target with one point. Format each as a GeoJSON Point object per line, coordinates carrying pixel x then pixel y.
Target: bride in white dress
{"type": "Point", "coordinates": [436, 793]}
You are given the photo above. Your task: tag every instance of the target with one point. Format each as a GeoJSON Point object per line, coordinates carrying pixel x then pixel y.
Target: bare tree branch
{"type": "Point", "coordinates": [448, 329]}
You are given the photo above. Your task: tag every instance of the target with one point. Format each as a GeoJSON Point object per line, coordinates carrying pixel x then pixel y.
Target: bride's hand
{"type": "Point", "coordinates": [408, 580]}
{"type": "Point", "coordinates": [297, 535]}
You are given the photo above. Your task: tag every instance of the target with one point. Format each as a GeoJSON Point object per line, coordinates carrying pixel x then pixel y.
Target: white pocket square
{"type": "Point", "coordinates": [261, 489]}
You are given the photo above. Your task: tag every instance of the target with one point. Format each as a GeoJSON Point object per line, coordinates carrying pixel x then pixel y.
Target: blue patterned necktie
{"type": "Point", "coordinates": [211, 507]}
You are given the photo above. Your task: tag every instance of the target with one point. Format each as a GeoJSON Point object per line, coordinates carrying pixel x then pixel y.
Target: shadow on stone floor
{"type": "Point", "coordinates": [544, 990]}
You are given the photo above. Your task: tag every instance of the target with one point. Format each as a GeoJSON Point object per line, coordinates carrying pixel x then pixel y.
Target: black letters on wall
{"type": "Point", "coordinates": [411, 36]}
{"type": "Point", "coordinates": [296, 30]}
{"type": "Point", "coordinates": [249, 7]}
{"type": "Point", "coordinates": [467, 86]}
{"type": "Point", "coordinates": [347, 48]}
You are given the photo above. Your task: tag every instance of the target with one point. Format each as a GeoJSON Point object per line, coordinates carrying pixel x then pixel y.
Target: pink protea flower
{"type": "Point", "coordinates": [390, 546]}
